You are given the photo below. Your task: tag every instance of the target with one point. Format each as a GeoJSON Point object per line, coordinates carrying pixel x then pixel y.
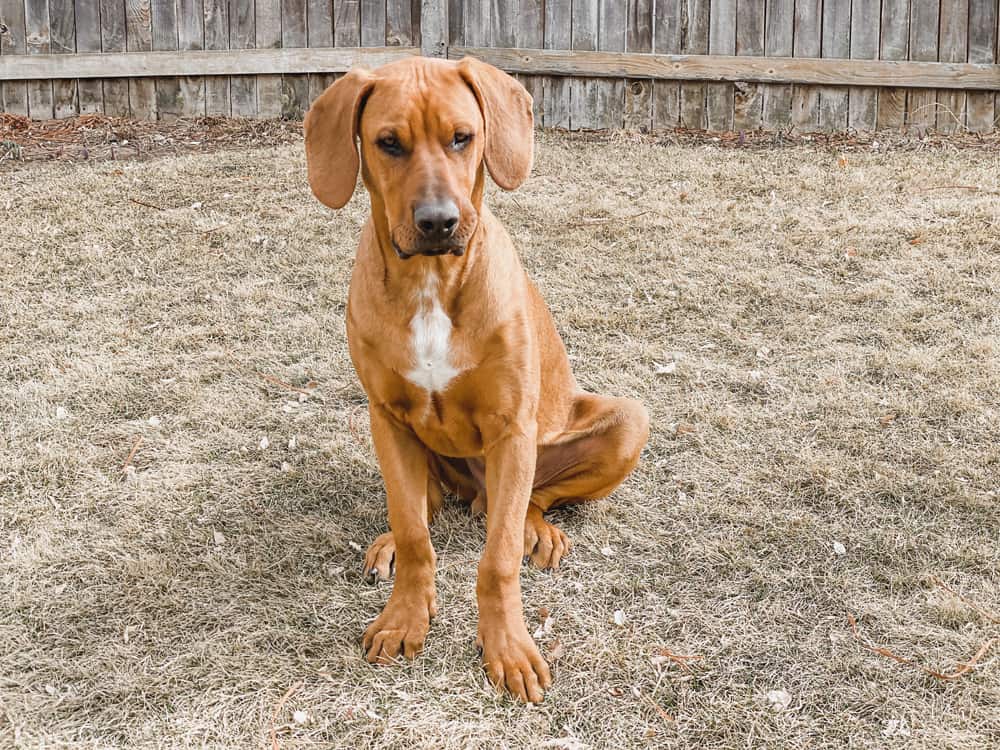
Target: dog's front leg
{"type": "Point", "coordinates": [510, 656]}
{"type": "Point", "coordinates": [405, 620]}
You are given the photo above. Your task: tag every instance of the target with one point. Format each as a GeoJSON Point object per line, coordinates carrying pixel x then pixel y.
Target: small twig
{"type": "Point", "coordinates": [282, 383]}
{"type": "Point", "coordinates": [963, 667]}
{"type": "Point", "coordinates": [974, 188]}
{"type": "Point", "coordinates": [131, 453]}
{"type": "Point", "coordinates": [277, 711]}
{"type": "Point", "coordinates": [664, 714]}
{"type": "Point", "coordinates": [215, 229]}
{"type": "Point", "coordinates": [147, 205]}
{"type": "Point", "coordinates": [680, 659]}
{"type": "Point", "coordinates": [590, 221]}
{"type": "Point", "coordinates": [972, 605]}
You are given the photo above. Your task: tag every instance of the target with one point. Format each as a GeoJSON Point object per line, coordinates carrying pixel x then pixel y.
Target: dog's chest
{"type": "Point", "coordinates": [430, 341]}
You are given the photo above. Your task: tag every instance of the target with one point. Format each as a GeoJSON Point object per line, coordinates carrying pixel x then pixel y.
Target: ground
{"type": "Point", "coordinates": [187, 483]}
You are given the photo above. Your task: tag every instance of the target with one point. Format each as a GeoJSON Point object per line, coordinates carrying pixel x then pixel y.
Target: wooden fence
{"type": "Point", "coordinates": [592, 64]}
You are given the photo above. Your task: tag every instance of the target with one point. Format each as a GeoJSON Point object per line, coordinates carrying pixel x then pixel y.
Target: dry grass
{"type": "Point", "coordinates": [830, 336]}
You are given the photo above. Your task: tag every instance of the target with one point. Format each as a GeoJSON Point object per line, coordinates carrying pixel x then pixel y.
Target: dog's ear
{"type": "Point", "coordinates": [506, 107]}
{"type": "Point", "coordinates": [331, 129]}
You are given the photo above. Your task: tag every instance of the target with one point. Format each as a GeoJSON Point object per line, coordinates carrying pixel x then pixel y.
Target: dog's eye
{"type": "Point", "coordinates": [390, 144]}
{"type": "Point", "coordinates": [461, 140]}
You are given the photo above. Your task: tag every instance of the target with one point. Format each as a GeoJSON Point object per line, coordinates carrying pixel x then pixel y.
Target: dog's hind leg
{"type": "Point", "coordinates": [597, 450]}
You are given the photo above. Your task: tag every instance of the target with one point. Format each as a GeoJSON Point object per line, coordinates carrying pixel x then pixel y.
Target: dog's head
{"type": "Point", "coordinates": [426, 128]}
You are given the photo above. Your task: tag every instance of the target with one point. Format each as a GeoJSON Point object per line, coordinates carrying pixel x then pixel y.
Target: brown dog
{"type": "Point", "coordinates": [468, 382]}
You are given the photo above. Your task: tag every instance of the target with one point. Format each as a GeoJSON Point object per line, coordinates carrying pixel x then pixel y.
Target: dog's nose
{"type": "Point", "coordinates": [436, 220]}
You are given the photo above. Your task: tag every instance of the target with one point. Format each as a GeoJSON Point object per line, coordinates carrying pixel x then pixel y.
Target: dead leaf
{"type": "Point", "coordinates": [778, 700]}
{"type": "Point", "coordinates": [543, 613]}
{"type": "Point", "coordinates": [556, 650]}
{"type": "Point", "coordinates": [887, 419]}
{"type": "Point", "coordinates": [683, 428]}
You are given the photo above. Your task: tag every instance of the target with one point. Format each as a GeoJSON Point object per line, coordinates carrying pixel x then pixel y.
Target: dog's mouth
{"type": "Point", "coordinates": [454, 248]}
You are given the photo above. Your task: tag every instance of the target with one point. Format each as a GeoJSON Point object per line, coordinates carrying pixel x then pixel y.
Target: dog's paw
{"type": "Point", "coordinates": [380, 559]}
{"type": "Point", "coordinates": [512, 661]}
{"type": "Point", "coordinates": [400, 630]}
{"type": "Point", "coordinates": [544, 543]}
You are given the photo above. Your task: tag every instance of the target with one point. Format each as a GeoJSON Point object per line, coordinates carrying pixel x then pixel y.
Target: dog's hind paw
{"type": "Point", "coordinates": [544, 543]}
{"type": "Point", "coordinates": [380, 560]}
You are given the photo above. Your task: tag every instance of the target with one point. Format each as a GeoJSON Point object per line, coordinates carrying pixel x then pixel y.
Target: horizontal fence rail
{"type": "Point", "coordinates": [200, 63]}
{"type": "Point", "coordinates": [829, 65]}
{"type": "Point", "coordinates": [811, 70]}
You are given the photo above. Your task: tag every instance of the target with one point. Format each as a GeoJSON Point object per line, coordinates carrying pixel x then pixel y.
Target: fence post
{"type": "Point", "coordinates": [434, 28]}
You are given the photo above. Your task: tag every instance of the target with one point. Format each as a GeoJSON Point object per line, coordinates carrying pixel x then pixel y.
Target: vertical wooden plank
{"type": "Point", "coordinates": [953, 47]}
{"type": "Point", "coordinates": [373, 23]}
{"type": "Point", "coordinates": [583, 91]}
{"type": "Point", "coordinates": [217, 95]}
{"type": "Point", "coordinates": [434, 28]}
{"type": "Point", "coordinates": [62, 30]}
{"type": "Point", "coordinates": [556, 90]}
{"type": "Point", "coordinates": [693, 100]}
{"type": "Point", "coordinates": [456, 21]}
{"type": "Point", "coordinates": [639, 38]}
{"type": "Point", "coordinates": [320, 23]}
{"type": "Point", "coordinates": [529, 34]}
{"type": "Point", "coordinates": [747, 98]}
{"type": "Point", "coordinates": [778, 34]}
{"type": "Point", "coordinates": [168, 90]}
{"type": "Point", "coordinates": [477, 23]}
{"type": "Point", "coordinates": [293, 23]}
{"type": "Point", "coordinates": [807, 43]}
{"type": "Point", "coordinates": [836, 43]}
{"type": "Point", "coordinates": [503, 23]}
{"type": "Point", "coordinates": [267, 30]}
{"type": "Point", "coordinates": [894, 44]}
{"type": "Point", "coordinates": [668, 17]}
{"type": "Point", "coordinates": [611, 38]}
{"type": "Point", "coordinates": [242, 35]}
{"type": "Point", "coordinates": [88, 39]}
{"type": "Point", "coordinates": [15, 93]}
{"type": "Point", "coordinates": [36, 22]}
{"type": "Point", "coordinates": [862, 107]}
{"type": "Point", "coordinates": [922, 103]}
{"type": "Point", "coordinates": [139, 38]}
{"type": "Point", "coordinates": [346, 23]}
{"type": "Point", "coordinates": [399, 31]}
{"type": "Point", "coordinates": [721, 41]}
{"type": "Point", "coordinates": [115, 90]}
{"type": "Point", "coordinates": [191, 35]}
{"type": "Point", "coordinates": [294, 88]}
{"type": "Point", "coordinates": [982, 46]}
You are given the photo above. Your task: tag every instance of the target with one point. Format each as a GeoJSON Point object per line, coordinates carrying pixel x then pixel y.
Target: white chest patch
{"type": "Point", "coordinates": [430, 341]}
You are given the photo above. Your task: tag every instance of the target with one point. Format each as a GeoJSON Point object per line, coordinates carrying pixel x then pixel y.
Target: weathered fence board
{"type": "Point", "coordinates": [778, 33]}
{"type": "Point", "coordinates": [865, 24]}
{"type": "Point", "coordinates": [982, 46]}
{"type": "Point", "coordinates": [556, 91]}
{"type": "Point", "coordinates": [747, 103]}
{"type": "Point", "coordinates": [15, 93]}
{"type": "Point", "coordinates": [808, 42]}
{"type": "Point", "coordinates": [952, 47]}
{"type": "Point", "coordinates": [895, 45]}
{"type": "Point", "coordinates": [836, 44]}
{"type": "Point", "coordinates": [639, 64]}
{"type": "Point", "coordinates": [721, 41]}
